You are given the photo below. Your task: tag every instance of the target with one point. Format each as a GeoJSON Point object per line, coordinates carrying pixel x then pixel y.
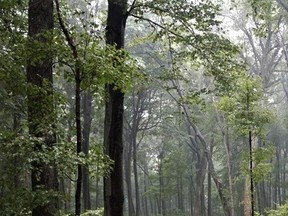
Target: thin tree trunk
{"type": "Point", "coordinates": [180, 195]}
{"type": "Point", "coordinates": [137, 195]}
{"type": "Point", "coordinates": [191, 194]}
{"type": "Point", "coordinates": [79, 142]}
{"type": "Point", "coordinates": [146, 209]}
{"type": "Point", "coordinates": [203, 207]}
{"type": "Point", "coordinates": [209, 202]}
{"type": "Point", "coordinates": [97, 194]}
{"type": "Point", "coordinates": [251, 174]}
{"type": "Point", "coordinates": [284, 172]}
{"type": "Point", "coordinates": [87, 113]}
{"type": "Point", "coordinates": [75, 56]}
{"type": "Point", "coordinates": [229, 165]}
{"type": "Point", "coordinates": [162, 203]}
{"type": "Point", "coordinates": [128, 156]}
{"type": "Point", "coordinates": [278, 177]}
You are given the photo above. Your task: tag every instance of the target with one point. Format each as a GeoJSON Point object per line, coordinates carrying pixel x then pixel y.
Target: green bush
{"type": "Point", "coordinates": [282, 210]}
{"type": "Point", "coordinates": [98, 212]}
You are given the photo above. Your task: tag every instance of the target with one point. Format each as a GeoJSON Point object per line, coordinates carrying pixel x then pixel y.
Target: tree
{"type": "Point", "coordinates": [40, 100]}
{"type": "Point", "coordinates": [113, 126]}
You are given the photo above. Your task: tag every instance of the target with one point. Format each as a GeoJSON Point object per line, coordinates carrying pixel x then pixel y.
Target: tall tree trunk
{"type": "Point", "coordinates": [191, 192]}
{"type": "Point", "coordinates": [137, 195]}
{"type": "Point", "coordinates": [229, 166]}
{"type": "Point", "coordinates": [40, 100]}
{"type": "Point", "coordinates": [180, 195]}
{"type": "Point", "coordinates": [219, 185]}
{"type": "Point", "coordinates": [79, 140]}
{"type": "Point", "coordinates": [284, 172]}
{"type": "Point", "coordinates": [199, 181]}
{"type": "Point", "coordinates": [113, 126]}
{"type": "Point", "coordinates": [73, 47]}
{"type": "Point", "coordinates": [209, 202]}
{"type": "Point", "coordinates": [87, 114]}
{"type": "Point", "coordinates": [251, 174]}
{"type": "Point", "coordinates": [278, 177]}
{"type": "Point", "coordinates": [247, 198]}
{"type": "Point", "coordinates": [145, 175]}
{"type": "Point", "coordinates": [203, 207]}
{"type": "Point", "coordinates": [128, 153]}
{"type": "Point", "coordinates": [161, 186]}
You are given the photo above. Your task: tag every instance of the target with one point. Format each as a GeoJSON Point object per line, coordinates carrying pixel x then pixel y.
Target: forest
{"type": "Point", "coordinates": [143, 107]}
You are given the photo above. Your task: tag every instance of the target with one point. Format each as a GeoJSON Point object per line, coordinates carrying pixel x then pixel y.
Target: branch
{"type": "Point", "coordinates": [156, 24]}
{"type": "Point", "coordinates": [133, 5]}
{"type": "Point", "coordinates": [68, 36]}
{"type": "Point", "coordinates": [199, 49]}
{"type": "Point", "coordinates": [283, 4]}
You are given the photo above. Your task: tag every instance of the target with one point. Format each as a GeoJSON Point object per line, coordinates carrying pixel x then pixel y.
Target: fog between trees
{"type": "Point", "coordinates": [143, 108]}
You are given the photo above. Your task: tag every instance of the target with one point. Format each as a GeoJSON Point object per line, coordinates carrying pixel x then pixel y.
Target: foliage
{"type": "Point", "coordinates": [282, 210]}
{"type": "Point", "coordinates": [187, 45]}
{"type": "Point", "coordinates": [243, 108]}
{"type": "Point", "coordinates": [98, 212]}
{"type": "Point", "coordinates": [190, 36]}
{"type": "Point", "coordinates": [176, 212]}
{"type": "Point", "coordinates": [261, 159]}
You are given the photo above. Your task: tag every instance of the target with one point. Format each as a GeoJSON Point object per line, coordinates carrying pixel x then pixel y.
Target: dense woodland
{"type": "Point", "coordinates": [144, 107]}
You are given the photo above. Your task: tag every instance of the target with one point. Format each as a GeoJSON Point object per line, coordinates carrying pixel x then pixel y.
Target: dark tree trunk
{"type": "Point", "coordinates": [87, 113]}
{"type": "Point", "coordinates": [251, 174]}
{"type": "Point", "coordinates": [79, 143]}
{"type": "Point", "coordinates": [77, 77]}
{"type": "Point", "coordinates": [40, 100]}
{"type": "Point", "coordinates": [113, 128]}
{"type": "Point", "coordinates": [250, 161]}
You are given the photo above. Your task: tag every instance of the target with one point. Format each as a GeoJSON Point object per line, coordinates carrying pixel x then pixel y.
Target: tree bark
{"type": "Point", "coordinates": [40, 100]}
{"type": "Point", "coordinates": [87, 113]}
{"type": "Point", "coordinates": [79, 140]}
{"type": "Point", "coordinates": [113, 126]}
